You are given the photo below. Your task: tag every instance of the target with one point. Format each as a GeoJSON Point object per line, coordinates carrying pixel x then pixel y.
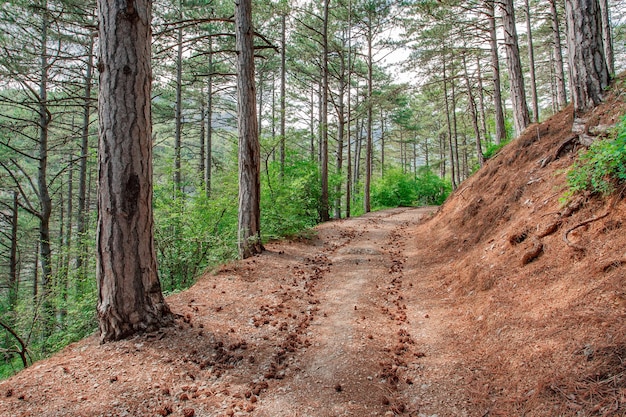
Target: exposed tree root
{"type": "Point", "coordinates": [581, 224]}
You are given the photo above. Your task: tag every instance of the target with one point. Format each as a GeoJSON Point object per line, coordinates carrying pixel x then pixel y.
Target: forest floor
{"type": "Point", "coordinates": [505, 301]}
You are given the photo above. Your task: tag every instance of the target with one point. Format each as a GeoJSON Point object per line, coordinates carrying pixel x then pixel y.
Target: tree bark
{"type": "Point", "coordinates": [473, 114]}
{"type": "Point", "coordinates": [349, 116]}
{"type": "Point", "coordinates": [341, 126]}
{"type": "Point", "coordinates": [481, 99]}
{"type": "Point", "coordinates": [178, 116]}
{"type": "Point", "coordinates": [588, 69]}
{"type": "Point", "coordinates": [249, 235]}
{"type": "Point", "coordinates": [129, 291]}
{"type": "Point", "coordinates": [324, 203]}
{"type": "Point", "coordinates": [607, 36]}
{"type": "Point", "coordinates": [45, 201]}
{"type": "Point", "coordinates": [369, 144]}
{"type": "Point", "coordinates": [531, 66]}
{"type": "Point", "coordinates": [283, 89]}
{"type": "Point", "coordinates": [83, 209]}
{"type": "Point", "coordinates": [449, 123]}
{"type": "Point", "coordinates": [208, 164]}
{"type": "Point", "coordinates": [521, 118]}
{"type": "Point", "coordinates": [495, 68]}
{"type": "Point", "coordinates": [559, 73]}
{"type": "Point", "coordinates": [13, 258]}
{"type": "Point", "coordinates": [312, 125]}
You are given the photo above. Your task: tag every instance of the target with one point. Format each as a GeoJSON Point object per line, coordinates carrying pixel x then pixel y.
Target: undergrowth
{"type": "Point", "coordinates": [602, 167]}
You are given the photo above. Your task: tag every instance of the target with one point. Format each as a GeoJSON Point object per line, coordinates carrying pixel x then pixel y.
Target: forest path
{"type": "Point", "coordinates": [361, 345]}
{"type": "Point", "coordinates": [316, 326]}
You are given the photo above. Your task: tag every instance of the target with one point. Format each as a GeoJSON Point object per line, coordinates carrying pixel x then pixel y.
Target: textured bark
{"type": "Point", "coordinates": [349, 116]}
{"type": "Point", "coordinates": [449, 124]}
{"type": "Point", "coordinates": [283, 91]}
{"type": "Point", "coordinates": [13, 281]}
{"type": "Point", "coordinates": [83, 209]}
{"type": "Point", "coordinates": [324, 203]}
{"type": "Point", "coordinates": [481, 99]}
{"type": "Point", "coordinates": [495, 68]}
{"type": "Point", "coordinates": [531, 66]}
{"type": "Point", "coordinates": [557, 55]}
{"type": "Point", "coordinates": [607, 36]}
{"type": "Point", "coordinates": [521, 118]}
{"type": "Point", "coordinates": [341, 126]}
{"type": "Point", "coordinates": [588, 69]}
{"type": "Point", "coordinates": [474, 115]}
{"type": "Point", "coordinates": [209, 126]}
{"type": "Point", "coordinates": [369, 144]}
{"type": "Point", "coordinates": [178, 116]}
{"type": "Point", "coordinates": [45, 202]}
{"type": "Point", "coordinates": [249, 236]}
{"type": "Point", "coordinates": [129, 291]}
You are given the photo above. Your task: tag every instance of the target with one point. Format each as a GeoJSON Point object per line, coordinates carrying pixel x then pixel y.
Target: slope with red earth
{"type": "Point", "coordinates": [479, 308]}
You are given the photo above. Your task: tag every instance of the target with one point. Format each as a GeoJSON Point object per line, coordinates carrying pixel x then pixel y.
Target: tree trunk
{"type": "Point", "coordinates": [83, 209]}
{"type": "Point", "coordinates": [358, 145]}
{"type": "Point", "coordinates": [455, 132]}
{"type": "Point", "coordinates": [312, 124]}
{"type": "Point", "coordinates": [67, 241]}
{"type": "Point", "coordinates": [521, 118]}
{"type": "Point", "coordinates": [349, 122]}
{"type": "Point", "coordinates": [341, 126]}
{"type": "Point", "coordinates": [495, 67]}
{"type": "Point", "coordinates": [202, 141]}
{"type": "Point", "coordinates": [607, 36]}
{"type": "Point", "coordinates": [260, 100]}
{"type": "Point", "coordinates": [531, 66]}
{"type": "Point", "coordinates": [474, 115]}
{"type": "Point", "coordinates": [382, 142]}
{"type": "Point", "coordinates": [209, 126]}
{"type": "Point", "coordinates": [283, 94]}
{"type": "Point", "coordinates": [447, 106]}
{"type": "Point", "coordinates": [559, 73]}
{"type": "Point", "coordinates": [45, 201]}
{"type": "Point", "coordinates": [179, 110]}
{"type": "Point", "coordinates": [13, 258]}
{"type": "Point", "coordinates": [129, 291]}
{"type": "Point", "coordinates": [481, 100]}
{"type": "Point", "coordinates": [369, 144]}
{"type": "Point", "coordinates": [324, 203]}
{"type": "Point", "coordinates": [249, 234]}
{"type": "Point", "coordinates": [588, 69]}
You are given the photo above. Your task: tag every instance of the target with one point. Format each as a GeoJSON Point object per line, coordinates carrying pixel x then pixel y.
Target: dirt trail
{"type": "Point", "coordinates": [347, 370]}
{"type": "Point", "coordinates": [316, 327]}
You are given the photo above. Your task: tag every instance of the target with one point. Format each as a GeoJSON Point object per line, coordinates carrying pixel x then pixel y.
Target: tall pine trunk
{"type": "Point", "coordinates": [208, 164]}
{"type": "Point", "coordinates": [588, 69]}
{"type": "Point", "coordinates": [607, 36]}
{"type": "Point", "coordinates": [45, 201]}
{"type": "Point", "coordinates": [369, 144]}
{"type": "Point", "coordinates": [531, 66]}
{"type": "Point", "coordinates": [283, 89]}
{"type": "Point", "coordinates": [129, 291]}
{"type": "Point", "coordinates": [249, 235]}
{"type": "Point", "coordinates": [324, 203]}
{"type": "Point", "coordinates": [83, 209]}
{"type": "Point", "coordinates": [521, 118]}
{"type": "Point", "coordinates": [557, 55]}
{"type": "Point", "coordinates": [495, 68]}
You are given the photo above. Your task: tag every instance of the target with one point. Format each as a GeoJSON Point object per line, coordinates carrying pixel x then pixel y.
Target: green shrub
{"type": "Point", "coordinates": [399, 189]}
{"type": "Point", "coordinates": [493, 149]}
{"type": "Point", "coordinates": [603, 166]}
{"type": "Point", "coordinates": [290, 204]}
